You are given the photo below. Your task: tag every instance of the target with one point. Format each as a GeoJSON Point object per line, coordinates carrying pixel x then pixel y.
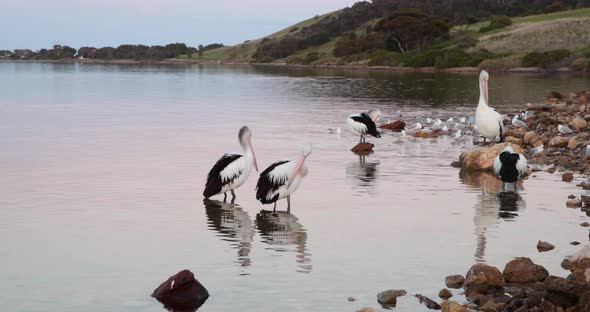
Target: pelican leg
{"type": "Point", "coordinates": [233, 196]}
{"type": "Point", "coordinates": [361, 140]}
{"type": "Point", "coordinates": [289, 204]}
{"type": "Point", "coordinates": [274, 209]}
{"type": "Point", "coordinates": [224, 197]}
{"type": "Point", "coordinates": [484, 141]}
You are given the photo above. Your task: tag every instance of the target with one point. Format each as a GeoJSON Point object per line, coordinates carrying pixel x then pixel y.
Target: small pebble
{"type": "Point", "coordinates": [544, 246]}
{"type": "Point", "coordinates": [575, 243]}
{"type": "Point", "coordinates": [585, 224]}
{"type": "Point", "coordinates": [351, 299]}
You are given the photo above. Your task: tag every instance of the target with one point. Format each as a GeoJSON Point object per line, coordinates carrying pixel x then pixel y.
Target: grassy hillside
{"type": "Point", "coordinates": [500, 48]}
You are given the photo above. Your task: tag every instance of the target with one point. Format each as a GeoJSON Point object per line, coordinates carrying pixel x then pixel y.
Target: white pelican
{"type": "Point", "coordinates": [232, 170]}
{"type": "Point", "coordinates": [364, 123]}
{"type": "Point", "coordinates": [489, 122]}
{"type": "Point", "coordinates": [282, 179]}
{"type": "Point", "coordinates": [510, 166]}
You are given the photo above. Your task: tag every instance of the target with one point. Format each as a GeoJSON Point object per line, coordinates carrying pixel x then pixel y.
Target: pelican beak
{"type": "Point", "coordinates": [253, 154]}
{"type": "Point", "coordinates": [296, 171]}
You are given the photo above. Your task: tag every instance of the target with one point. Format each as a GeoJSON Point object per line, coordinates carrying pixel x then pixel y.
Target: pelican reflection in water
{"type": "Point", "coordinates": [363, 173]}
{"type": "Point", "coordinates": [493, 204]}
{"type": "Point", "coordinates": [282, 230]}
{"type": "Point", "coordinates": [233, 225]}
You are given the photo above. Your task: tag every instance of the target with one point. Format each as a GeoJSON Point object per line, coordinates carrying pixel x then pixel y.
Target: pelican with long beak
{"type": "Point", "coordinates": [489, 122]}
{"type": "Point", "coordinates": [232, 170]}
{"type": "Point", "coordinates": [281, 179]}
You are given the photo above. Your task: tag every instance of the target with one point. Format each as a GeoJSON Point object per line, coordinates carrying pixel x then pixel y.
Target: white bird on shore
{"type": "Point", "coordinates": [438, 123]}
{"type": "Point", "coordinates": [445, 128]}
{"type": "Point", "coordinates": [537, 150]}
{"type": "Point", "coordinates": [450, 120]}
{"type": "Point", "coordinates": [526, 115]}
{"type": "Point", "coordinates": [403, 133]}
{"type": "Point", "coordinates": [418, 126]}
{"type": "Point", "coordinates": [462, 119]}
{"type": "Point", "coordinates": [457, 135]}
{"type": "Point", "coordinates": [489, 122]}
{"type": "Point", "coordinates": [587, 151]}
{"type": "Point", "coordinates": [428, 120]}
{"type": "Point", "coordinates": [564, 129]}
{"type": "Point", "coordinates": [518, 123]}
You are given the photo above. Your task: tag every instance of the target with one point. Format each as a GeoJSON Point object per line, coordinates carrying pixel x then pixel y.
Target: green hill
{"type": "Point", "coordinates": [355, 36]}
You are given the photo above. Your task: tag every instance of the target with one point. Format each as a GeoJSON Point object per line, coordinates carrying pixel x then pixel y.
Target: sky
{"type": "Point", "coordinates": [37, 24]}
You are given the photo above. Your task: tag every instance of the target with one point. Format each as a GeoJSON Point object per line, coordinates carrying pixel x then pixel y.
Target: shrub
{"type": "Point", "coordinates": [496, 22]}
{"type": "Point", "coordinates": [580, 64]}
{"type": "Point", "coordinates": [554, 7]}
{"type": "Point", "coordinates": [502, 63]}
{"type": "Point", "coordinates": [382, 58]}
{"type": "Point", "coordinates": [464, 41]}
{"type": "Point", "coordinates": [311, 57]}
{"type": "Point", "coordinates": [545, 59]}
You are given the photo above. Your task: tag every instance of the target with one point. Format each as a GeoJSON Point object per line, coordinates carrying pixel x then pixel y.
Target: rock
{"type": "Point", "coordinates": [514, 133]}
{"type": "Point", "coordinates": [445, 294]}
{"type": "Point", "coordinates": [456, 164]}
{"type": "Point", "coordinates": [561, 292]}
{"type": "Point", "coordinates": [580, 265]}
{"type": "Point", "coordinates": [530, 137]}
{"type": "Point", "coordinates": [513, 140]}
{"type": "Point", "coordinates": [482, 279]}
{"type": "Point", "coordinates": [584, 224]}
{"type": "Point", "coordinates": [451, 306]}
{"type": "Point", "coordinates": [572, 143]}
{"type": "Point", "coordinates": [351, 299]}
{"type": "Point", "coordinates": [482, 159]}
{"type": "Point", "coordinates": [429, 303]}
{"type": "Point", "coordinates": [579, 123]}
{"type": "Point", "coordinates": [558, 141]}
{"type": "Point", "coordinates": [554, 95]}
{"type": "Point", "coordinates": [586, 200]}
{"type": "Point", "coordinates": [363, 147]}
{"type": "Point", "coordinates": [389, 297]}
{"type": "Point", "coordinates": [584, 303]}
{"type": "Point", "coordinates": [573, 203]}
{"type": "Point", "coordinates": [544, 246]}
{"type": "Point", "coordinates": [538, 143]}
{"type": "Point", "coordinates": [566, 264]}
{"type": "Point", "coordinates": [454, 281]}
{"type": "Point", "coordinates": [567, 177]}
{"type": "Point", "coordinates": [489, 306]}
{"type": "Point", "coordinates": [524, 270]}
{"type": "Point", "coordinates": [181, 292]}
{"type": "Point", "coordinates": [575, 243]}
{"type": "Point", "coordinates": [425, 135]}
{"type": "Point", "coordinates": [534, 298]}
{"type": "Point", "coordinates": [396, 126]}
{"type": "Point", "coordinates": [368, 309]}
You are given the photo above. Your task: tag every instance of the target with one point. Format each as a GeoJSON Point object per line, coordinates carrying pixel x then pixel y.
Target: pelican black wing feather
{"type": "Point", "coordinates": [508, 171]}
{"type": "Point", "coordinates": [367, 121]}
{"type": "Point", "coordinates": [266, 185]}
{"type": "Point", "coordinates": [214, 180]}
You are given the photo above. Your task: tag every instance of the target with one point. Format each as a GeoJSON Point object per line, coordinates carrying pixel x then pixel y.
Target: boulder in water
{"type": "Point", "coordinates": [181, 292]}
{"type": "Point", "coordinates": [482, 159]}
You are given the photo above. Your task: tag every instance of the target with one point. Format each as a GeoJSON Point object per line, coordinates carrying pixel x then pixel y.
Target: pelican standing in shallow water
{"type": "Point", "coordinates": [509, 166]}
{"type": "Point", "coordinates": [364, 123]}
{"type": "Point", "coordinates": [489, 122]}
{"type": "Point", "coordinates": [281, 179]}
{"type": "Point", "coordinates": [232, 170]}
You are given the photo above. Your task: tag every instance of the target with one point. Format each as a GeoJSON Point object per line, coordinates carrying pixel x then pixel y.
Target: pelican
{"type": "Point", "coordinates": [364, 123]}
{"type": "Point", "coordinates": [232, 170]}
{"type": "Point", "coordinates": [282, 179]}
{"type": "Point", "coordinates": [489, 122]}
{"type": "Point", "coordinates": [509, 166]}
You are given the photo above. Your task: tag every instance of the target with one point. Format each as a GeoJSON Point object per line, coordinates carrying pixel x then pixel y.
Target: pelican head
{"type": "Point", "coordinates": [305, 149]}
{"type": "Point", "coordinates": [245, 136]}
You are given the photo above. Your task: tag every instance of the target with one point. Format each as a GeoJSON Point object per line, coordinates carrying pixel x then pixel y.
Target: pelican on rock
{"type": "Point", "coordinates": [281, 179]}
{"type": "Point", "coordinates": [232, 170]}
{"type": "Point", "coordinates": [364, 123]}
{"type": "Point", "coordinates": [489, 122]}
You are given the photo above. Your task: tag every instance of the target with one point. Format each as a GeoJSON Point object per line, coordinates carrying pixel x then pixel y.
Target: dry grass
{"type": "Point", "coordinates": [569, 33]}
{"type": "Point", "coordinates": [503, 63]}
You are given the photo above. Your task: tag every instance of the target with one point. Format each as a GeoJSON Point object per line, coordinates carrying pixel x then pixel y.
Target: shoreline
{"type": "Point", "coordinates": [322, 66]}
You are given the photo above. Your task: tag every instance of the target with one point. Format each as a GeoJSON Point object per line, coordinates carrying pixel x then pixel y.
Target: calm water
{"type": "Point", "coordinates": [103, 166]}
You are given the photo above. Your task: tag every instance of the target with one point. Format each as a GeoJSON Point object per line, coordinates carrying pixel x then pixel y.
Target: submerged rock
{"type": "Point", "coordinates": [445, 294]}
{"type": "Point", "coordinates": [483, 279]}
{"type": "Point", "coordinates": [544, 246]}
{"type": "Point", "coordinates": [573, 203]}
{"type": "Point", "coordinates": [585, 199]}
{"type": "Point", "coordinates": [482, 159]}
{"type": "Point", "coordinates": [368, 309]}
{"type": "Point", "coordinates": [181, 292]}
{"type": "Point", "coordinates": [561, 292]}
{"type": "Point", "coordinates": [429, 303]}
{"type": "Point", "coordinates": [524, 270]}
{"type": "Point", "coordinates": [351, 299]}
{"type": "Point", "coordinates": [396, 126]}
{"type": "Point", "coordinates": [451, 306]}
{"type": "Point", "coordinates": [580, 265]}
{"type": "Point", "coordinates": [454, 281]}
{"type": "Point", "coordinates": [389, 297]}
{"type": "Point", "coordinates": [363, 147]}
{"type": "Point", "coordinates": [559, 141]}
{"type": "Point", "coordinates": [567, 177]}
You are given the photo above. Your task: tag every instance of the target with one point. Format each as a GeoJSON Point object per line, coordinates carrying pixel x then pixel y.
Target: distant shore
{"type": "Point", "coordinates": [323, 66]}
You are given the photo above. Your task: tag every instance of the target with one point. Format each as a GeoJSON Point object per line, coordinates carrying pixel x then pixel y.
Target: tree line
{"type": "Point", "coordinates": [122, 52]}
